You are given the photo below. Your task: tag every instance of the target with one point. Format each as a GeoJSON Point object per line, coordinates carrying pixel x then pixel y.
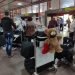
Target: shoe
{"type": "Point", "coordinates": [10, 56]}
{"type": "Point", "coordinates": [52, 69]}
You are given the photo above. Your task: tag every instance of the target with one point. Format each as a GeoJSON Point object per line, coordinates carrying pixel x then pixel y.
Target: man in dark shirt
{"type": "Point", "coordinates": [52, 23]}
{"type": "Point", "coordinates": [7, 24]}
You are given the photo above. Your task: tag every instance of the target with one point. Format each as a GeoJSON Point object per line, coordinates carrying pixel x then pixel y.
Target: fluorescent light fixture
{"type": "Point", "coordinates": [20, 4]}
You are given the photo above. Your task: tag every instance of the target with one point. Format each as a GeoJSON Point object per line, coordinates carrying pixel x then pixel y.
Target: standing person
{"type": "Point", "coordinates": [52, 23]}
{"type": "Point", "coordinates": [68, 22]}
{"type": "Point", "coordinates": [72, 27]}
{"type": "Point", "coordinates": [58, 22]}
{"type": "Point", "coordinates": [23, 22]}
{"type": "Point", "coordinates": [7, 23]}
{"type": "Point", "coordinates": [30, 28]}
{"type": "Point", "coordinates": [61, 24]}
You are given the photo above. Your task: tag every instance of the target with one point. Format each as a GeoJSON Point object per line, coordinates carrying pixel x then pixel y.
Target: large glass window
{"type": "Point", "coordinates": [35, 8]}
{"type": "Point", "coordinates": [66, 3]}
{"type": "Point", "coordinates": [43, 7]}
{"type": "Point", "coordinates": [29, 9]}
{"type": "Point", "coordinates": [22, 10]}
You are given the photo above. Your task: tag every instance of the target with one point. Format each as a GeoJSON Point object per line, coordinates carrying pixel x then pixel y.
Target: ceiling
{"type": "Point", "coordinates": [13, 4]}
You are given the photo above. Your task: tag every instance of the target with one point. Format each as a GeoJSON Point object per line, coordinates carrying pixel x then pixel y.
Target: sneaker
{"type": "Point", "coordinates": [52, 69]}
{"type": "Point", "coordinates": [10, 56]}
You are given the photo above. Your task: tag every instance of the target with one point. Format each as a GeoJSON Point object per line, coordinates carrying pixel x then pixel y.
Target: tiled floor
{"type": "Point", "coordinates": [15, 66]}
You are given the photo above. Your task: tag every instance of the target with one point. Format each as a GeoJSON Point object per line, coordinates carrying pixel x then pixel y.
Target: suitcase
{"type": "Point", "coordinates": [30, 65]}
{"type": "Point", "coordinates": [68, 45]}
{"type": "Point", "coordinates": [27, 49]}
{"type": "Point", "coordinates": [68, 42]}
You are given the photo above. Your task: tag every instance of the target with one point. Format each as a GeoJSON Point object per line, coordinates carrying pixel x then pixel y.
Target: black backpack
{"type": "Point", "coordinates": [27, 49]}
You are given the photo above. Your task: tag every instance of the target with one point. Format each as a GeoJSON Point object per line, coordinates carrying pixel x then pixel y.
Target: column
{"type": "Point", "coordinates": [55, 4]}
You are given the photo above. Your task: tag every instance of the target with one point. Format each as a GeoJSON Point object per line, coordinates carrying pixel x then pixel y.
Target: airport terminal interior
{"type": "Point", "coordinates": [37, 37]}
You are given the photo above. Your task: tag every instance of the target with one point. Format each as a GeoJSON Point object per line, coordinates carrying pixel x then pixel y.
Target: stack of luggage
{"type": "Point", "coordinates": [27, 52]}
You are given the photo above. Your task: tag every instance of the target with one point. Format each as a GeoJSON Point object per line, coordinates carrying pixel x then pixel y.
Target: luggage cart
{"type": "Point", "coordinates": [39, 61]}
{"type": "Point", "coordinates": [42, 61]}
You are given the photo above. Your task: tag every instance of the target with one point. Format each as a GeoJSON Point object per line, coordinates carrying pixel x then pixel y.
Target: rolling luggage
{"type": "Point", "coordinates": [30, 65]}
{"type": "Point", "coordinates": [27, 49]}
{"type": "Point", "coordinates": [27, 52]}
{"type": "Point", "coordinates": [68, 45]}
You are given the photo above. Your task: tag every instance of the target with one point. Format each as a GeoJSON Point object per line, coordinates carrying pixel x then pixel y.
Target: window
{"type": "Point", "coordinates": [29, 9]}
{"type": "Point", "coordinates": [66, 3]}
{"type": "Point", "coordinates": [35, 8]}
{"type": "Point", "coordinates": [43, 7]}
{"type": "Point", "coordinates": [23, 11]}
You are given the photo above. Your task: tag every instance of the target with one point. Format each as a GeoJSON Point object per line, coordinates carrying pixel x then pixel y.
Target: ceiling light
{"type": "Point", "coordinates": [20, 4]}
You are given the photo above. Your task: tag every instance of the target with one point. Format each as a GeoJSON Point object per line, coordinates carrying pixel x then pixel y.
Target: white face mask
{"type": "Point", "coordinates": [53, 33]}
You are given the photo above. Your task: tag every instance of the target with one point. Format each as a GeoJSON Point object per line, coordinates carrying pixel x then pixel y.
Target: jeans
{"type": "Point", "coordinates": [9, 40]}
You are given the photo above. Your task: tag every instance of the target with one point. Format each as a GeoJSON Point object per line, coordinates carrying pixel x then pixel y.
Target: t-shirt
{"type": "Point", "coordinates": [7, 24]}
{"type": "Point", "coordinates": [52, 24]}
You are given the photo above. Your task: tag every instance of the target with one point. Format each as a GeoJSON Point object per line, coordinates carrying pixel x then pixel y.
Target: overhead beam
{"type": "Point", "coordinates": [34, 3]}
{"type": "Point", "coordinates": [31, 3]}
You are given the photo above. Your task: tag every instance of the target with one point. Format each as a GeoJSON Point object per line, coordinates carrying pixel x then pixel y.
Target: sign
{"type": "Point", "coordinates": [26, 14]}
{"type": "Point", "coordinates": [69, 9]}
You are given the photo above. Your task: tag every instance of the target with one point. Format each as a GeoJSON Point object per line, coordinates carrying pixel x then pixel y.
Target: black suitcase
{"type": "Point", "coordinates": [27, 49]}
{"type": "Point", "coordinates": [68, 42]}
{"type": "Point", "coordinates": [30, 65]}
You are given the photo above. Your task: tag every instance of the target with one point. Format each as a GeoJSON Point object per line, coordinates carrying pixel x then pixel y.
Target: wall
{"type": "Point", "coordinates": [55, 4]}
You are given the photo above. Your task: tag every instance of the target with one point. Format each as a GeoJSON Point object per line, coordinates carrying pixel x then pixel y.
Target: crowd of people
{"type": "Point", "coordinates": [28, 26]}
{"type": "Point", "coordinates": [59, 24]}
